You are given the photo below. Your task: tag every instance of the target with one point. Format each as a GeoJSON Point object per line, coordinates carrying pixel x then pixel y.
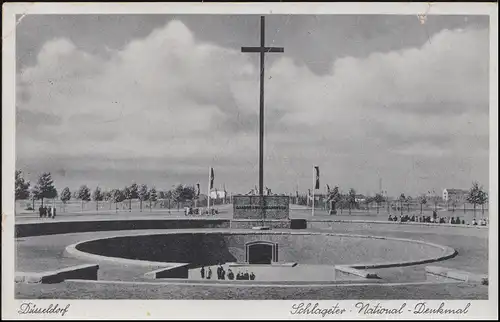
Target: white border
{"type": "Point", "coordinates": [221, 309]}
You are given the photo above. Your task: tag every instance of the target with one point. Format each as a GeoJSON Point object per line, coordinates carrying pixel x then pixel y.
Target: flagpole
{"type": "Point", "coordinates": [313, 188]}
{"type": "Point", "coordinates": [208, 194]}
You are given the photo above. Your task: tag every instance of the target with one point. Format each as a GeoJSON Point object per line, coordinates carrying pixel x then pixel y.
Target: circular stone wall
{"type": "Point", "coordinates": [210, 248]}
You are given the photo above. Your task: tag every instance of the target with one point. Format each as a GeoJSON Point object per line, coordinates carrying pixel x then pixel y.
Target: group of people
{"type": "Point", "coordinates": [221, 274]}
{"type": "Point", "coordinates": [435, 219]}
{"type": "Point", "coordinates": [45, 211]}
{"type": "Point", "coordinates": [196, 211]}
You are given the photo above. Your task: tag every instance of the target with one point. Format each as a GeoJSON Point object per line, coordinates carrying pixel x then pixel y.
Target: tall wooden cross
{"type": "Point", "coordinates": [262, 50]}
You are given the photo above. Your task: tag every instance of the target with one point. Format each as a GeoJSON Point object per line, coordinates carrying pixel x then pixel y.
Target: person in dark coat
{"type": "Point", "coordinates": [246, 276]}
{"type": "Point", "coordinates": [252, 276]}
{"type": "Point", "coordinates": [202, 272]}
{"type": "Point", "coordinates": [230, 274]}
{"type": "Point", "coordinates": [40, 210]}
{"type": "Point", "coordinates": [219, 272]}
{"type": "Point", "coordinates": [54, 213]}
{"type": "Point", "coordinates": [222, 273]}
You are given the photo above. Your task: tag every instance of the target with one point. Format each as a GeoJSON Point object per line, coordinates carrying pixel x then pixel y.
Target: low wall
{"type": "Point", "coordinates": [177, 271]}
{"type": "Point", "coordinates": [81, 272]}
{"type": "Point", "coordinates": [65, 227]}
{"type": "Point", "coordinates": [457, 275]}
{"type": "Point", "coordinates": [211, 248]}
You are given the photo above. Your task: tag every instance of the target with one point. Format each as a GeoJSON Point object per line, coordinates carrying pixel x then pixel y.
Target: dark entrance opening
{"type": "Point", "coordinates": [261, 252]}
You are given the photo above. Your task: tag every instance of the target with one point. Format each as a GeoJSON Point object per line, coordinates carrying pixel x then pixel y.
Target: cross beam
{"type": "Point", "coordinates": [262, 50]}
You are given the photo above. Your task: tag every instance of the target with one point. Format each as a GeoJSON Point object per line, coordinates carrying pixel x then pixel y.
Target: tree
{"type": "Point", "coordinates": [402, 199]}
{"type": "Point", "coordinates": [482, 199]}
{"type": "Point", "coordinates": [143, 194]}
{"type": "Point", "coordinates": [474, 195]}
{"type": "Point", "coordinates": [117, 196]}
{"type": "Point", "coordinates": [130, 193]}
{"type": "Point", "coordinates": [333, 198]}
{"type": "Point", "coordinates": [106, 196]}
{"type": "Point", "coordinates": [408, 202]}
{"type": "Point", "coordinates": [422, 200]}
{"type": "Point", "coordinates": [22, 187]}
{"type": "Point", "coordinates": [65, 196]}
{"type": "Point", "coordinates": [188, 193]}
{"type": "Point", "coordinates": [33, 196]}
{"type": "Point", "coordinates": [169, 196]}
{"type": "Point", "coordinates": [153, 197]}
{"type": "Point", "coordinates": [97, 196]}
{"type": "Point", "coordinates": [177, 194]}
{"type": "Point", "coordinates": [453, 204]}
{"type": "Point", "coordinates": [127, 195]}
{"type": "Point", "coordinates": [134, 194]}
{"type": "Point", "coordinates": [378, 200]}
{"type": "Point", "coordinates": [351, 199]}
{"type": "Point", "coordinates": [182, 193]}
{"type": "Point", "coordinates": [83, 194]}
{"type": "Point", "coordinates": [45, 187]}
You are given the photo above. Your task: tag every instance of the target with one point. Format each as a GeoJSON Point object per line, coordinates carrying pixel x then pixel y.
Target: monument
{"type": "Point", "coordinates": [256, 207]}
{"type": "Point", "coordinates": [261, 212]}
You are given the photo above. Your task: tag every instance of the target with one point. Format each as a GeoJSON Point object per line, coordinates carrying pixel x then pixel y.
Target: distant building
{"type": "Point", "coordinates": [219, 194]}
{"type": "Point", "coordinates": [458, 195]}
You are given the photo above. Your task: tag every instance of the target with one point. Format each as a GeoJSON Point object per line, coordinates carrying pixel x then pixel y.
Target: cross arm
{"type": "Point", "coordinates": [266, 49]}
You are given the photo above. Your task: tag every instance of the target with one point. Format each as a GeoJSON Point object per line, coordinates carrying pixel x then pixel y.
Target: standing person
{"type": "Point", "coordinates": [209, 274]}
{"type": "Point", "coordinates": [219, 273]}
{"type": "Point", "coordinates": [54, 213]}
{"type": "Point", "coordinates": [222, 273]}
{"type": "Point", "coordinates": [202, 272]}
{"type": "Point", "coordinates": [252, 276]}
{"type": "Point", "coordinates": [40, 211]}
{"type": "Point", "coordinates": [230, 274]}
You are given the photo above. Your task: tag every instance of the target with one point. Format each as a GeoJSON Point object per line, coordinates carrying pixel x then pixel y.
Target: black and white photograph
{"type": "Point", "coordinates": [342, 161]}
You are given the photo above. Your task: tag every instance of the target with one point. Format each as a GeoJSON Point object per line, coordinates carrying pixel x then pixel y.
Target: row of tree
{"type": "Point", "coordinates": [45, 189]}
{"type": "Point", "coordinates": [476, 196]}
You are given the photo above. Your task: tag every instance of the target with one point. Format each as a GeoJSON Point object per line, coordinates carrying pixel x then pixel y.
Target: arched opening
{"type": "Point", "coordinates": [261, 252]}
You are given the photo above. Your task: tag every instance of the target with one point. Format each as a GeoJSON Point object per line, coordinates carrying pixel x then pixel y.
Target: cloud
{"type": "Point", "coordinates": [177, 104]}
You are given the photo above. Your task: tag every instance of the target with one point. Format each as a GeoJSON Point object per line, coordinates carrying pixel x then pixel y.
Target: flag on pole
{"type": "Point", "coordinates": [197, 190]}
{"type": "Point", "coordinates": [211, 178]}
{"type": "Point", "coordinates": [317, 177]}
{"type": "Point", "coordinates": [328, 188]}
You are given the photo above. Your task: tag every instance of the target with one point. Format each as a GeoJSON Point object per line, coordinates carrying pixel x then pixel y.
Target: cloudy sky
{"type": "Point", "coordinates": [113, 99]}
